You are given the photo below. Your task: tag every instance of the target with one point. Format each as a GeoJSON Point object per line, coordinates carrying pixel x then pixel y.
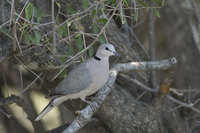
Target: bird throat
{"type": "Point", "coordinates": [97, 58]}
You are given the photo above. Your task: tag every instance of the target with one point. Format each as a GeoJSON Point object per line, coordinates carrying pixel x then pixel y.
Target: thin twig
{"type": "Point", "coordinates": [18, 43]}
{"type": "Point", "coordinates": [5, 113]}
{"type": "Point", "coordinates": [134, 5]}
{"type": "Point", "coordinates": [12, 22]}
{"type": "Point", "coordinates": [21, 11]}
{"type": "Point", "coordinates": [26, 67]}
{"type": "Point", "coordinates": [138, 83]}
{"type": "Point", "coordinates": [2, 12]}
{"type": "Point", "coordinates": [185, 90]}
{"type": "Point", "coordinates": [196, 9]}
{"type": "Point", "coordinates": [173, 109]}
{"type": "Point", "coordinates": [141, 95]}
{"type": "Point", "coordinates": [183, 104]}
{"type": "Point", "coordinates": [53, 25]}
{"type": "Point", "coordinates": [4, 24]}
{"type": "Point", "coordinates": [30, 84]}
{"type": "Point", "coordinates": [21, 79]}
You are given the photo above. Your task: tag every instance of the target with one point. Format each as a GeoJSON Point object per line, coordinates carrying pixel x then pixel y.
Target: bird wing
{"type": "Point", "coordinates": [78, 79]}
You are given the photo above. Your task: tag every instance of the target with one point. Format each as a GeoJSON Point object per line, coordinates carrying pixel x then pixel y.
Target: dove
{"type": "Point", "coordinates": [84, 80]}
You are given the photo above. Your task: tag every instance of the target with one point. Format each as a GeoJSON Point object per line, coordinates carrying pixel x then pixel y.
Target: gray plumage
{"type": "Point", "coordinates": [86, 79]}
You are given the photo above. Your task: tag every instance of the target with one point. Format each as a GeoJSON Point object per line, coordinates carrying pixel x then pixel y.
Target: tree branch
{"type": "Point", "coordinates": [19, 101]}
{"type": "Point", "coordinates": [87, 113]}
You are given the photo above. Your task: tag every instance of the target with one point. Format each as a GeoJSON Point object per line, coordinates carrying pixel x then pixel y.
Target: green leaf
{"type": "Point", "coordinates": [16, 16]}
{"type": "Point", "coordinates": [61, 30]}
{"type": "Point", "coordinates": [63, 59]}
{"type": "Point", "coordinates": [95, 28]}
{"type": "Point", "coordinates": [66, 34]}
{"type": "Point", "coordinates": [91, 51]}
{"type": "Point", "coordinates": [51, 63]}
{"type": "Point", "coordinates": [25, 25]}
{"type": "Point", "coordinates": [135, 16]}
{"type": "Point", "coordinates": [58, 4]}
{"type": "Point", "coordinates": [143, 3]}
{"type": "Point", "coordinates": [27, 38]}
{"type": "Point", "coordinates": [156, 2]}
{"type": "Point", "coordinates": [110, 2]}
{"type": "Point", "coordinates": [93, 13]}
{"type": "Point", "coordinates": [28, 10]}
{"type": "Point", "coordinates": [102, 20]}
{"type": "Point", "coordinates": [37, 37]}
{"type": "Point", "coordinates": [70, 9]}
{"type": "Point", "coordinates": [70, 50]}
{"type": "Point", "coordinates": [39, 14]}
{"type": "Point", "coordinates": [101, 39]}
{"type": "Point", "coordinates": [79, 42]}
{"type": "Point", "coordinates": [126, 3]}
{"type": "Point", "coordinates": [123, 20]}
{"type": "Point", "coordinates": [5, 31]}
{"type": "Point", "coordinates": [163, 3]}
{"type": "Point", "coordinates": [157, 13]}
{"type": "Point", "coordinates": [32, 39]}
{"type": "Point", "coordinates": [63, 74]}
{"type": "Point", "coordinates": [85, 4]}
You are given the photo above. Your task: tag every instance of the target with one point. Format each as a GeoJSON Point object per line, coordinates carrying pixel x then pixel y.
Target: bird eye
{"type": "Point", "coordinates": [107, 48]}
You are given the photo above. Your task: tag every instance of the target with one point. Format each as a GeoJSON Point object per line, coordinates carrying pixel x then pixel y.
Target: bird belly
{"type": "Point", "coordinates": [93, 88]}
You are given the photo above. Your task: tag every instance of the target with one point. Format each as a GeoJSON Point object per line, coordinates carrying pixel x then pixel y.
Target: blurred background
{"type": "Point", "coordinates": [40, 38]}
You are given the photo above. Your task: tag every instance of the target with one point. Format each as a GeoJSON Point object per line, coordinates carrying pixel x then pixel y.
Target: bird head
{"type": "Point", "coordinates": [106, 50]}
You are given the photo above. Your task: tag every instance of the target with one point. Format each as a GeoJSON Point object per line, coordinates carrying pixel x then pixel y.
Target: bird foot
{"type": "Point", "coordinates": [91, 103]}
{"type": "Point", "coordinates": [91, 98]}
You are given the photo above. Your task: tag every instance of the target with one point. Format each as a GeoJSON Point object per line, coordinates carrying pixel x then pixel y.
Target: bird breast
{"type": "Point", "coordinates": [99, 73]}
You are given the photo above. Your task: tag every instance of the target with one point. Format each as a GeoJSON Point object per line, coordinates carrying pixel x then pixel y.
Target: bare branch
{"type": "Point", "coordinates": [87, 113]}
{"type": "Point", "coordinates": [27, 67]}
{"type": "Point", "coordinates": [196, 9]}
{"type": "Point", "coordinates": [5, 113]}
{"type": "Point", "coordinates": [12, 21]}
{"type": "Point", "coordinates": [22, 10]}
{"type": "Point", "coordinates": [19, 101]}
{"type": "Point", "coordinates": [147, 66]}
{"type": "Point", "coordinates": [30, 84]}
{"type": "Point", "coordinates": [138, 83]}
{"type": "Point", "coordinates": [152, 43]}
{"type": "Point", "coordinates": [53, 26]}
{"type": "Point", "coordinates": [183, 104]}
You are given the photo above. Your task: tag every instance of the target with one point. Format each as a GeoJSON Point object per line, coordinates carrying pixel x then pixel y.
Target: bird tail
{"type": "Point", "coordinates": [48, 108]}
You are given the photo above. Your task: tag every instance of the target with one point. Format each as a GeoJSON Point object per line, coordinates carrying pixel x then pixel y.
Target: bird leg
{"type": "Point", "coordinates": [86, 101]}
{"type": "Point", "coordinates": [91, 98]}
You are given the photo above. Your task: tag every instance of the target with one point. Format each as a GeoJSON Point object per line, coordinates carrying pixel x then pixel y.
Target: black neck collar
{"type": "Point", "coordinates": [97, 58]}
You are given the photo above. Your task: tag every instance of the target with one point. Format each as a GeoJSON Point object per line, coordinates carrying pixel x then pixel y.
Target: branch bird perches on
{"type": "Point", "coordinates": [87, 113]}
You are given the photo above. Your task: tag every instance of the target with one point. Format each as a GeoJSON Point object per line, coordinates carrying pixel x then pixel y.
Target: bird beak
{"type": "Point", "coordinates": [116, 54]}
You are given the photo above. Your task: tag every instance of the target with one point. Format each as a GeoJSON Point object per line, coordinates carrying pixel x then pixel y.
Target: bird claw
{"type": "Point", "coordinates": [78, 112]}
{"type": "Point", "coordinates": [91, 98]}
